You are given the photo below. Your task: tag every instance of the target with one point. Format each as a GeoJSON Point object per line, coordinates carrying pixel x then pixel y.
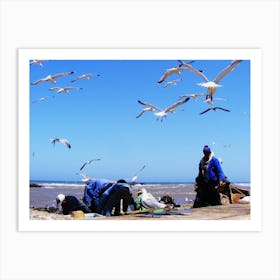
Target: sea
{"type": "Point", "coordinates": [182, 193]}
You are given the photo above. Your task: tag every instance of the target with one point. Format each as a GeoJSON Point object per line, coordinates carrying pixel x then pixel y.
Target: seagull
{"type": "Point", "coordinates": [51, 78]}
{"type": "Point", "coordinates": [174, 70]}
{"type": "Point", "coordinates": [161, 113]}
{"type": "Point", "coordinates": [193, 95]}
{"type": "Point", "coordinates": [149, 201]}
{"type": "Point", "coordinates": [64, 90]}
{"type": "Point", "coordinates": [174, 82]}
{"type": "Point", "coordinates": [149, 108]}
{"type": "Point", "coordinates": [213, 85]}
{"type": "Point", "coordinates": [37, 62]}
{"type": "Point", "coordinates": [168, 72]}
{"type": "Point", "coordinates": [214, 108]}
{"type": "Point", "coordinates": [86, 178]}
{"type": "Point", "coordinates": [85, 77]}
{"type": "Point", "coordinates": [41, 99]}
{"type": "Point", "coordinates": [134, 178]}
{"type": "Point", "coordinates": [88, 162]}
{"type": "Point", "coordinates": [61, 140]}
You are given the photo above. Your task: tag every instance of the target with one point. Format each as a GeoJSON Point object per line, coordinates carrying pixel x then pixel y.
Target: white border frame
{"type": "Point", "coordinates": [24, 255]}
{"type": "Point", "coordinates": [254, 224]}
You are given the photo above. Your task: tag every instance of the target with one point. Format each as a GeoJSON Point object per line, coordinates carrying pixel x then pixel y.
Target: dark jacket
{"type": "Point", "coordinates": [72, 203]}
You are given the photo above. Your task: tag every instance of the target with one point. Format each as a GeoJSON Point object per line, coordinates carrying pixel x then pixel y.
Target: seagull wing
{"type": "Point", "coordinates": [170, 108]}
{"type": "Point", "coordinates": [83, 165]}
{"type": "Point", "coordinates": [141, 113]}
{"type": "Point", "coordinates": [142, 168]}
{"type": "Point", "coordinates": [67, 88]}
{"type": "Point", "coordinates": [55, 88]}
{"type": "Point", "coordinates": [39, 81]}
{"type": "Point", "coordinates": [205, 111]}
{"type": "Point", "coordinates": [193, 95]}
{"type": "Point", "coordinates": [168, 73]}
{"type": "Point", "coordinates": [53, 140]}
{"type": "Point", "coordinates": [222, 109]}
{"type": "Point", "coordinates": [172, 82]}
{"type": "Point", "coordinates": [65, 142]}
{"type": "Point", "coordinates": [76, 79]}
{"type": "Point", "coordinates": [149, 105]}
{"type": "Point", "coordinates": [62, 74]}
{"type": "Point", "coordinates": [196, 71]}
{"type": "Point", "coordinates": [181, 63]}
{"type": "Point", "coordinates": [226, 70]}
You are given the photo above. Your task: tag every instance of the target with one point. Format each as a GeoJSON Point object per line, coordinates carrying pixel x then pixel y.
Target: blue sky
{"type": "Point", "coordinates": [100, 121]}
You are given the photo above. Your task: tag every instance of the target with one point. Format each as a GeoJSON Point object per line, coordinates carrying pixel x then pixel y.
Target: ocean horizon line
{"type": "Point", "coordinates": [142, 182]}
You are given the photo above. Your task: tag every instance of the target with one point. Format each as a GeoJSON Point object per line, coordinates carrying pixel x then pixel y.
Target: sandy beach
{"type": "Point", "coordinates": [222, 212]}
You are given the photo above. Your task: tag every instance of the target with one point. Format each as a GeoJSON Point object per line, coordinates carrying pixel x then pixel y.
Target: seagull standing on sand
{"type": "Point", "coordinates": [85, 77]}
{"type": "Point", "coordinates": [37, 62]}
{"type": "Point", "coordinates": [161, 113]}
{"type": "Point", "coordinates": [149, 201]}
{"type": "Point", "coordinates": [51, 78]}
{"type": "Point", "coordinates": [214, 108]}
{"type": "Point", "coordinates": [88, 162]}
{"type": "Point", "coordinates": [64, 90]}
{"type": "Point", "coordinates": [61, 140]}
{"type": "Point", "coordinates": [212, 85]}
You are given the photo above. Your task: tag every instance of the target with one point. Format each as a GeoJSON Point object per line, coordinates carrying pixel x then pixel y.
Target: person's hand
{"type": "Point", "coordinates": [221, 185]}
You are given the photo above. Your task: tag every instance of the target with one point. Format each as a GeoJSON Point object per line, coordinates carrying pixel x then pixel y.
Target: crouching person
{"type": "Point", "coordinates": [111, 199]}
{"type": "Point", "coordinates": [103, 196]}
{"type": "Point", "coordinates": [70, 203]}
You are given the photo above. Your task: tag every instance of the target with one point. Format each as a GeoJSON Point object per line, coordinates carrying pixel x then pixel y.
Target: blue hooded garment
{"type": "Point", "coordinates": [95, 189]}
{"type": "Point", "coordinates": [214, 172]}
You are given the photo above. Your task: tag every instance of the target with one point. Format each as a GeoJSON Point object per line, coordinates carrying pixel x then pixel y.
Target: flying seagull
{"type": "Point", "coordinates": [64, 90]}
{"type": "Point", "coordinates": [41, 99]}
{"type": "Point", "coordinates": [213, 85]}
{"type": "Point", "coordinates": [61, 140]}
{"type": "Point", "coordinates": [51, 78]}
{"type": "Point", "coordinates": [86, 178]}
{"type": "Point", "coordinates": [174, 82]}
{"type": "Point", "coordinates": [174, 70]}
{"type": "Point", "coordinates": [134, 178]}
{"type": "Point", "coordinates": [168, 72]}
{"type": "Point", "coordinates": [88, 162]}
{"type": "Point", "coordinates": [37, 62]}
{"type": "Point", "coordinates": [193, 95]}
{"type": "Point", "coordinates": [214, 109]}
{"type": "Point", "coordinates": [161, 113]}
{"type": "Point", "coordinates": [85, 77]}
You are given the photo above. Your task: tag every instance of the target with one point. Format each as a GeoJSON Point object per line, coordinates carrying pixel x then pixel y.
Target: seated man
{"type": "Point", "coordinates": [70, 203]}
{"type": "Point", "coordinates": [102, 196]}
